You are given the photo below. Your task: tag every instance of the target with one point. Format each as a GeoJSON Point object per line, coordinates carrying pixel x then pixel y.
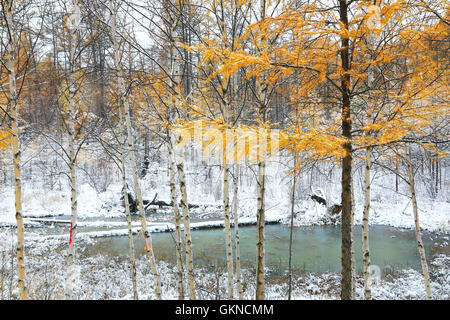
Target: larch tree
{"type": "Point", "coordinates": [325, 45]}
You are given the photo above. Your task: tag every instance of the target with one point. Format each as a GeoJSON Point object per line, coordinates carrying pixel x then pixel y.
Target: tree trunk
{"type": "Point", "coordinates": [175, 94]}
{"type": "Point", "coordinates": [130, 230]}
{"type": "Point", "coordinates": [260, 214]}
{"type": "Point", "coordinates": [10, 66]}
{"type": "Point", "coordinates": [260, 233]}
{"type": "Point", "coordinates": [365, 226]}
{"type": "Point", "coordinates": [292, 225]}
{"type": "Point", "coordinates": [72, 131]}
{"type": "Point", "coordinates": [177, 218]}
{"type": "Point", "coordinates": [187, 232]}
{"type": "Point", "coordinates": [132, 158]}
{"type": "Point", "coordinates": [260, 220]}
{"type": "Point", "coordinates": [346, 196]}
{"type": "Point", "coordinates": [353, 243]}
{"type": "Point", "coordinates": [73, 219]}
{"type": "Point", "coordinates": [146, 234]}
{"type": "Point", "coordinates": [125, 198]}
{"type": "Point", "coordinates": [423, 259]}
{"type": "Point", "coordinates": [226, 209]}
{"type": "Point", "coordinates": [437, 175]}
{"type": "Point", "coordinates": [236, 230]}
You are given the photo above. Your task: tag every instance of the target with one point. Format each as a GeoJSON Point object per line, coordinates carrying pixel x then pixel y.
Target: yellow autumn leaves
{"type": "Point", "coordinates": [5, 139]}
{"type": "Point", "coordinates": [217, 139]}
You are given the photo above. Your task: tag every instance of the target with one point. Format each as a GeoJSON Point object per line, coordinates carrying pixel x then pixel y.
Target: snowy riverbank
{"type": "Point", "coordinates": [104, 277]}
{"type": "Point", "coordinates": [395, 211]}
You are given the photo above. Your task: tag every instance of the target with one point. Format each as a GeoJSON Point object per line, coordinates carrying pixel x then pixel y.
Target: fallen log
{"type": "Point", "coordinates": [319, 199]}
{"type": "Point", "coordinates": [160, 203]}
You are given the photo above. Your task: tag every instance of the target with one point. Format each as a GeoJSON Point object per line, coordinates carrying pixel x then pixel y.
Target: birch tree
{"type": "Point", "coordinates": [123, 150]}
{"type": "Point", "coordinates": [168, 99]}
{"type": "Point", "coordinates": [73, 23]}
{"type": "Point", "coordinates": [373, 24]}
{"type": "Point", "coordinates": [177, 101]}
{"type": "Point", "coordinates": [171, 25]}
{"type": "Point", "coordinates": [423, 258]}
{"type": "Point", "coordinates": [8, 8]}
{"type": "Point", "coordinates": [236, 228]}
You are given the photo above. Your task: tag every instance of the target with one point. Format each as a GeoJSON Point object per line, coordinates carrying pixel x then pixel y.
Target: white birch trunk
{"type": "Point", "coordinates": [145, 233]}
{"type": "Point", "coordinates": [353, 242]}
{"type": "Point", "coordinates": [187, 231]}
{"type": "Point", "coordinates": [236, 231]}
{"type": "Point", "coordinates": [129, 226]}
{"type": "Point", "coordinates": [123, 169]}
{"type": "Point", "coordinates": [365, 226]}
{"type": "Point", "coordinates": [372, 38]}
{"type": "Point", "coordinates": [226, 209]}
{"type": "Point", "coordinates": [72, 162]}
{"type": "Point", "coordinates": [423, 258]}
{"type": "Point", "coordinates": [73, 220]}
{"type": "Point", "coordinates": [177, 218]}
{"type": "Point", "coordinates": [175, 77]}
{"type": "Point", "coordinates": [12, 101]}
{"type": "Point", "coordinates": [292, 225]}
{"type": "Point", "coordinates": [180, 170]}
{"type": "Point", "coordinates": [260, 281]}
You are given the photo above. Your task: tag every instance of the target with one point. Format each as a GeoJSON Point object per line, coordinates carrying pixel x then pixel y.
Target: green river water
{"type": "Point", "coordinates": [315, 248]}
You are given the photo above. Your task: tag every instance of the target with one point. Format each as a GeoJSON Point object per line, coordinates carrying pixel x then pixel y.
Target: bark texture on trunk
{"type": "Point", "coordinates": [187, 232]}
{"type": "Point", "coordinates": [12, 102]}
{"type": "Point", "coordinates": [353, 243]}
{"type": "Point", "coordinates": [73, 220]}
{"type": "Point", "coordinates": [176, 101]}
{"type": "Point", "coordinates": [177, 218]}
{"type": "Point", "coordinates": [123, 162]}
{"type": "Point", "coordinates": [365, 226]}
{"type": "Point", "coordinates": [292, 227]}
{"type": "Point", "coordinates": [423, 258]}
{"type": "Point", "coordinates": [236, 230]}
{"type": "Point", "coordinates": [174, 96]}
{"type": "Point", "coordinates": [130, 230]}
{"type": "Point", "coordinates": [72, 131]}
{"type": "Point", "coordinates": [260, 214]}
{"type": "Point", "coordinates": [346, 195]}
{"type": "Point", "coordinates": [127, 204]}
{"type": "Point", "coordinates": [146, 234]}
{"type": "Point", "coordinates": [226, 207]}
{"type": "Point", "coordinates": [260, 220]}
{"type": "Point", "coordinates": [226, 212]}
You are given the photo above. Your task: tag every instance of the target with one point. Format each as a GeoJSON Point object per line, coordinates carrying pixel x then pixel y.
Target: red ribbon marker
{"type": "Point", "coordinates": [70, 240]}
